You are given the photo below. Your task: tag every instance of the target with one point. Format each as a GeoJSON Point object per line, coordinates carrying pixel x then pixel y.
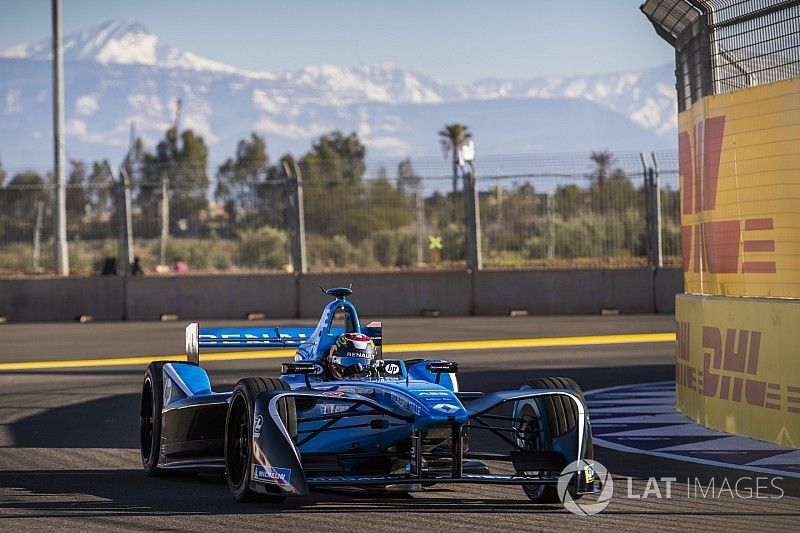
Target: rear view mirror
{"type": "Point", "coordinates": [299, 367]}
{"type": "Point", "coordinates": [442, 367]}
{"type": "Point", "coordinates": [305, 368]}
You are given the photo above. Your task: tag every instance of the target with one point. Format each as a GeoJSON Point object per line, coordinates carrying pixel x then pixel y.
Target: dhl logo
{"type": "Point", "coordinates": [730, 369]}
{"type": "Point", "coordinates": [714, 246]}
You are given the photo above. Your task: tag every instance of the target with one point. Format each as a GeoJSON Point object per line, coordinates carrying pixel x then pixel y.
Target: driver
{"type": "Point", "coordinates": [352, 355]}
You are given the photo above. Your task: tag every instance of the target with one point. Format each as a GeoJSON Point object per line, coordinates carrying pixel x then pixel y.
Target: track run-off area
{"type": "Point", "coordinates": [69, 398]}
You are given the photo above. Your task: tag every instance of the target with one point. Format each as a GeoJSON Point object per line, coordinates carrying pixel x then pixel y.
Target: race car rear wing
{"type": "Point", "coordinates": [275, 337]}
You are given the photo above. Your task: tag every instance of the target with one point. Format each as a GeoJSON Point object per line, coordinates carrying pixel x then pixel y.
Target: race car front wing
{"type": "Point", "coordinates": [278, 464]}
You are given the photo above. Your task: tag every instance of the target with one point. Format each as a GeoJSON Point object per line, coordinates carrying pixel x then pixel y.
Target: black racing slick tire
{"type": "Point", "coordinates": [560, 417]}
{"type": "Point", "coordinates": [152, 402]}
{"type": "Point", "coordinates": [239, 435]}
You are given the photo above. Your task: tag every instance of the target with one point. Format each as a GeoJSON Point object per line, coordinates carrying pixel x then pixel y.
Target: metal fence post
{"type": "Point", "coordinates": [122, 196]}
{"type": "Point", "coordinates": [658, 228]}
{"type": "Point", "coordinates": [651, 203]}
{"type": "Point", "coordinates": [298, 223]}
{"type": "Point", "coordinates": [37, 235]}
{"type": "Point", "coordinates": [61, 250]}
{"type": "Point", "coordinates": [164, 219]}
{"type": "Point", "coordinates": [420, 221]}
{"type": "Point", "coordinates": [550, 206]}
{"type": "Point", "coordinates": [472, 220]}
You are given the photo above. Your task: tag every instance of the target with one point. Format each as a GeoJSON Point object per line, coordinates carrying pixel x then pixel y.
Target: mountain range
{"type": "Point", "coordinates": [119, 73]}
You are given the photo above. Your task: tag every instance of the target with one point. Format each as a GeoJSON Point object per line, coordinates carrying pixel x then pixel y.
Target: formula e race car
{"type": "Point", "coordinates": [343, 416]}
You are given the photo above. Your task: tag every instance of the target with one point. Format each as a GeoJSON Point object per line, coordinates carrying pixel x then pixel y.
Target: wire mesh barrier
{"type": "Point", "coordinates": [724, 45]}
{"type": "Point", "coordinates": [26, 228]}
{"type": "Point", "coordinates": [544, 210]}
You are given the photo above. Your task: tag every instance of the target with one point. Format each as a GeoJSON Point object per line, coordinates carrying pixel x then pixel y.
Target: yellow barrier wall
{"type": "Point", "coordinates": [738, 349]}
{"type": "Point", "coordinates": [740, 192]}
{"type": "Point", "coordinates": [738, 366]}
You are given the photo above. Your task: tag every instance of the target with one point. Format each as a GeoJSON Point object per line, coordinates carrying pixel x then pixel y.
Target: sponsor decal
{"type": "Point", "coordinates": [257, 423]}
{"type": "Point", "coordinates": [730, 368]}
{"type": "Point", "coordinates": [392, 368]}
{"type": "Point", "coordinates": [331, 408]}
{"type": "Point", "coordinates": [167, 390]}
{"type": "Point", "coordinates": [434, 395]}
{"type": "Point", "coordinates": [356, 390]}
{"type": "Point", "coordinates": [590, 472]}
{"type": "Point", "coordinates": [403, 402]}
{"type": "Point", "coordinates": [714, 246]}
{"type": "Point", "coordinates": [359, 355]}
{"type": "Point", "coordinates": [446, 408]}
{"type": "Point", "coordinates": [271, 474]}
{"type": "Point", "coordinates": [255, 338]}
{"type": "Point", "coordinates": [334, 393]}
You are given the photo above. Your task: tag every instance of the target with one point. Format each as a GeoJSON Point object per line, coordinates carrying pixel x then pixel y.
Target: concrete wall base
{"type": "Point", "coordinates": [641, 290]}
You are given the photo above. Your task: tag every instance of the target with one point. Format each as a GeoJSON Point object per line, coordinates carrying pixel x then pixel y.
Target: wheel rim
{"type": "Point", "coordinates": [529, 435]}
{"type": "Point", "coordinates": [146, 421]}
{"type": "Point", "coordinates": [237, 443]}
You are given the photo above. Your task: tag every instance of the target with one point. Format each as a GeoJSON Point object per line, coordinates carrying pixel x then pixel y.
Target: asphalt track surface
{"type": "Point", "coordinates": [69, 454]}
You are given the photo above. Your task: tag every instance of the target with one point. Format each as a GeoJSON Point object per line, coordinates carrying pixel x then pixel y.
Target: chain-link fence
{"type": "Point", "coordinates": [725, 45]}
{"type": "Point", "coordinates": [544, 210]}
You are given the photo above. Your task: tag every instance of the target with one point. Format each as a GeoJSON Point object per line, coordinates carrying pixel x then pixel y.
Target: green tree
{"type": "Point", "coordinates": [273, 192]}
{"type": "Point", "coordinates": [603, 160]}
{"type": "Point", "coordinates": [386, 207]}
{"type": "Point", "coordinates": [407, 180]}
{"type": "Point", "coordinates": [76, 191]}
{"type": "Point", "coordinates": [452, 137]}
{"type": "Point", "coordinates": [569, 200]}
{"type": "Point", "coordinates": [335, 160]}
{"type": "Point", "coordinates": [605, 196]}
{"type": "Point", "coordinates": [334, 191]}
{"type": "Point", "coordinates": [182, 160]}
{"type": "Point", "coordinates": [18, 205]}
{"type": "Point", "coordinates": [23, 191]}
{"type": "Point", "coordinates": [99, 186]}
{"type": "Point", "coordinates": [238, 178]}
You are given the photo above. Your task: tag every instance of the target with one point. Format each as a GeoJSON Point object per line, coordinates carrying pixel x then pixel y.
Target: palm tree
{"type": "Point", "coordinates": [603, 161]}
{"type": "Point", "coordinates": [453, 137]}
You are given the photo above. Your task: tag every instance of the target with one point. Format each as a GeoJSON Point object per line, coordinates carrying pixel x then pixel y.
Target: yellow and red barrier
{"type": "Point", "coordinates": [737, 367]}
{"type": "Point", "coordinates": [738, 333]}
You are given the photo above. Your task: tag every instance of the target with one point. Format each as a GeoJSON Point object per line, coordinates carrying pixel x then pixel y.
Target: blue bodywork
{"type": "Point", "coordinates": [387, 428]}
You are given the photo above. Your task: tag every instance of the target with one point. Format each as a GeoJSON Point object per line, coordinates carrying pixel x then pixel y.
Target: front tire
{"type": "Point", "coordinates": [239, 435]}
{"type": "Point", "coordinates": [548, 418]}
{"type": "Point", "coordinates": [152, 402]}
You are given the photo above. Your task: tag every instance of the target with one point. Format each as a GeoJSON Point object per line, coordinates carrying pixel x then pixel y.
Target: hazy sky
{"type": "Point", "coordinates": [454, 41]}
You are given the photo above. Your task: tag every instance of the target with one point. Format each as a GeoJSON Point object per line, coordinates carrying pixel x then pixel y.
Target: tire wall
{"type": "Point", "coordinates": [737, 366]}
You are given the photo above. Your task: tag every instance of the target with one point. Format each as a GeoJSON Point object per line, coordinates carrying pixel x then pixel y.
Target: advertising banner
{"type": "Point", "coordinates": [739, 158]}
{"type": "Point", "coordinates": [738, 365]}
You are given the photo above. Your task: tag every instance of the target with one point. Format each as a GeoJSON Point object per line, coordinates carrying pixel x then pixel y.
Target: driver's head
{"type": "Point", "coordinates": [350, 356]}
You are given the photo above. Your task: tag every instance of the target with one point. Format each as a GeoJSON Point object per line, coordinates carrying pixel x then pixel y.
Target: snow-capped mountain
{"type": "Point", "coordinates": [123, 42]}
{"type": "Point", "coordinates": [119, 73]}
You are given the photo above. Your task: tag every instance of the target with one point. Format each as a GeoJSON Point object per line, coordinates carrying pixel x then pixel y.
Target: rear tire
{"type": "Point", "coordinates": [239, 435]}
{"type": "Point", "coordinates": [152, 402]}
{"type": "Point", "coordinates": [560, 416]}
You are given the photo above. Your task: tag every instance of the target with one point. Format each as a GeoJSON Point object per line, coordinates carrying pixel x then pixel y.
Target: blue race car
{"type": "Point", "coordinates": [342, 415]}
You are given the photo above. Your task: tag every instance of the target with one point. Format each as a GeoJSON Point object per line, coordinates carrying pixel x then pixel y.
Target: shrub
{"type": "Point", "coordinates": [265, 247]}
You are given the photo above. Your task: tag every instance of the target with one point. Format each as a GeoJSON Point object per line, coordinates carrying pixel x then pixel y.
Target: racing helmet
{"type": "Point", "coordinates": [351, 355]}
